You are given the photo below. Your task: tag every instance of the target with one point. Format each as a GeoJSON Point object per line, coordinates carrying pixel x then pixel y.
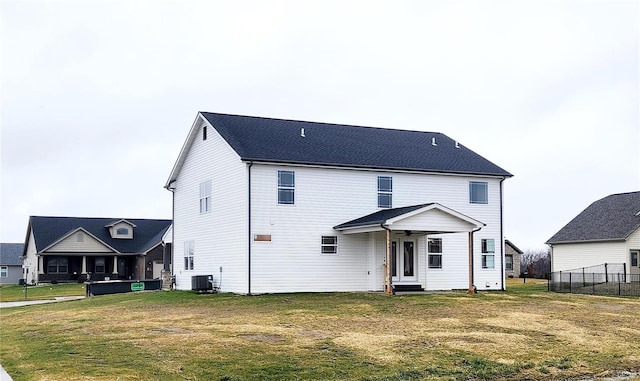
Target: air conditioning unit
{"type": "Point", "coordinates": [202, 283]}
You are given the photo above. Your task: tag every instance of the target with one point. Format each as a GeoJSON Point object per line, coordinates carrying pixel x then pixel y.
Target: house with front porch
{"type": "Point", "coordinates": [272, 205]}
{"type": "Point", "coordinates": [73, 249]}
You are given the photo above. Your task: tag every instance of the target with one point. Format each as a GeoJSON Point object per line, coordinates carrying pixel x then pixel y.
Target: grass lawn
{"type": "Point", "coordinates": [525, 333]}
{"type": "Point", "coordinates": [12, 293]}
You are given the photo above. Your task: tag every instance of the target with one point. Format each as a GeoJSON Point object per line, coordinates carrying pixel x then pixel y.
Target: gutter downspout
{"type": "Point", "coordinates": [388, 286]}
{"type": "Point", "coordinates": [472, 287]}
{"type": "Point", "coordinates": [169, 266]}
{"type": "Point", "coordinates": [502, 239]}
{"type": "Point", "coordinates": [249, 229]}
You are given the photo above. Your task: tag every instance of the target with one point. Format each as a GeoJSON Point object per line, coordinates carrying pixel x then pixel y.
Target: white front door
{"type": "Point", "coordinates": [404, 261]}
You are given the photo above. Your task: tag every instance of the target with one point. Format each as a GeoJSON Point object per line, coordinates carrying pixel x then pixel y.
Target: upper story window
{"type": "Point", "coordinates": [122, 231]}
{"type": "Point", "coordinates": [205, 196]}
{"type": "Point", "coordinates": [204, 133]}
{"type": "Point", "coordinates": [478, 192]}
{"type": "Point", "coordinates": [385, 189]}
{"type": "Point", "coordinates": [488, 253]}
{"type": "Point", "coordinates": [286, 187]}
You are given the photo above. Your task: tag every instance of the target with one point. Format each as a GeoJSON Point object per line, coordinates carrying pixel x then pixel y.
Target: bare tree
{"type": "Point", "coordinates": [536, 263]}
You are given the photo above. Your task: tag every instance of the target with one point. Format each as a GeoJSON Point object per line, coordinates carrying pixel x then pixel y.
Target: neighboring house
{"type": "Point", "coordinates": [269, 205]}
{"type": "Point", "coordinates": [511, 259]}
{"type": "Point", "coordinates": [608, 231]}
{"type": "Point", "coordinates": [70, 249]}
{"type": "Point", "coordinates": [10, 263]}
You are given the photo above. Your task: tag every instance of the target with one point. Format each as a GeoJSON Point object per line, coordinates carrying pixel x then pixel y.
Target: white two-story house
{"type": "Point", "coordinates": [269, 205]}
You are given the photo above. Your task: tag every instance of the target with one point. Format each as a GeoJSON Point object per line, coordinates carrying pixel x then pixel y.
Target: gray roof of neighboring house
{"type": "Point", "coordinates": [147, 233]}
{"type": "Point", "coordinates": [11, 254]}
{"type": "Point", "coordinates": [514, 247]}
{"type": "Point", "coordinates": [614, 217]}
{"type": "Point", "coordinates": [280, 141]}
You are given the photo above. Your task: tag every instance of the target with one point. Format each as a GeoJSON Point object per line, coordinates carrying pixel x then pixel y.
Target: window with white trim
{"type": "Point", "coordinates": [188, 254]}
{"type": "Point", "coordinates": [329, 244]}
{"type": "Point", "coordinates": [385, 190]}
{"type": "Point", "coordinates": [478, 192]}
{"type": "Point", "coordinates": [99, 265]}
{"type": "Point", "coordinates": [488, 253]}
{"type": "Point", "coordinates": [286, 187]}
{"type": "Point", "coordinates": [205, 196]}
{"type": "Point", "coordinates": [122, 231]}
{"type": "Point", "coordinates": [634, 259]}
{"type": "Point", "coordinates": [434, 247]}
{"type": "Point", "coordinates": [4, 271]}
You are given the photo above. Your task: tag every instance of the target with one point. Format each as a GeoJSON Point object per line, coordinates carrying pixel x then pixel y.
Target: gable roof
{"type": "Point", "coordinates": [280, 141]}
{"type": "Point", "coordinates": [147, 234]}
{"type": "Point", "coordinates": [390, 216]}
{"type": "Point", "coordinates": [614, 217]}
{"type": "Point", "coordinates": [514, 247]}
{"type": "Point", "coordinates": [11, 254]}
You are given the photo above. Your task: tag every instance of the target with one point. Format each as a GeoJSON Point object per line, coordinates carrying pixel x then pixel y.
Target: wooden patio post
{"type": "Point", "coordinates": [471, 290]}
{"type": "Point", "coordinates": [387, 271]}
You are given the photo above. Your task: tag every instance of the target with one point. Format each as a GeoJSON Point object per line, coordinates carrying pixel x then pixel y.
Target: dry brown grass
{"type": "Point", "coordinates": [521, 334]}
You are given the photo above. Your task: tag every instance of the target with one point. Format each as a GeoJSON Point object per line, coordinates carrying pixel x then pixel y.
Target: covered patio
{"type": "Point", "coordinates": [417, 221]}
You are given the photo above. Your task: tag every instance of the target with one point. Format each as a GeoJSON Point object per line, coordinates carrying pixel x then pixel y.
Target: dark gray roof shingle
{"type": "Point", "coordinates": [11, 254]}
{"type": "Point", "coordinates": [280, 141]}
{"type": "Point", "coordinates": [146, 235]}
{"type": "Point", "coordinates": [379, 217]}
{"type": "Point", "coordinates": [614, 217]}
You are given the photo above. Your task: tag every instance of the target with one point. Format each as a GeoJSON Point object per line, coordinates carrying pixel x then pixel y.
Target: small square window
{"type": "Point", "coordinates": [4, 271]}
{"type": "Point", "coordinates": [478, 192]}
{"type": "Point", "coordinates": [329, 244]}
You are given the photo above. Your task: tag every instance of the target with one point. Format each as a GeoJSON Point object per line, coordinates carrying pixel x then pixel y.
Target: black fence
{"type": "Point", "coordinates": [618, 283]}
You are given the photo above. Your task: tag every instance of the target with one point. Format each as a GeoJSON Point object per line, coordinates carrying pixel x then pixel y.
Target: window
{"type": "Point", "coordinates": [434, 246]}
{"type": "Point", "coordinates": [286, 187]}
{"type": "Point", "coordinates": [122, 231]}
{"type": "Point", "coordinates": [204, 133]}
{"type": "Point", "coordinates": [205, 196]}
{"type": "Point", "coordinates": [508, 262]}
{"type": "Point", "coordinates": [634, 259]}
{"type": "Point", "coordinates": [478, 192]}
{"type": "Point", "coordinates": [488, 253]}
{"type": "Point", "coordinates": [329, 244]}
{"type": "Point", "coordinates": [4, 271]}
{"type": "Point", "coordinates": [57, 265]}
{"type": "Point", "coordinates": [385, 188]}
{"type": "Point", "coordinates": [99, 265]}
{"type": "Point", "coordinates": [188, 255]}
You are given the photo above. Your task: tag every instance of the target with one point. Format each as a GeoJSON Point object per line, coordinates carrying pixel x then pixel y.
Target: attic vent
{"type": "Point", "coordinates": [302, 132]}
{"type": "Point", "coordinates": [433, 142]}
{"type": "Point", "coordinates": [457, 144]}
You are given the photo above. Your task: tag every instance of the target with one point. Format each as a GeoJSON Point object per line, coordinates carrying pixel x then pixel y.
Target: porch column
{"type": "Point", "coordinates": [470, 291]}
{"type": "Point", "coordinates": [387, 267]}
{"type": "Point", "coordinates": [115, 264]}
{"type": "Point", "coordinates": [84, 264]}
{"type": "Point", "coordinates": [40, 264]}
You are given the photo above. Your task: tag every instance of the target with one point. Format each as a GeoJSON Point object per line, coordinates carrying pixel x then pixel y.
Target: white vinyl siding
{"type": "Point", "coordinates": [221, 235]}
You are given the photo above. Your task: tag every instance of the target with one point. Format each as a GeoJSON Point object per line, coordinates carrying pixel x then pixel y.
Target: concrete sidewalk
{"type": "Point", "coordinates": [32, 302]}
{"type": "Point", "coordinates": [4, 376]}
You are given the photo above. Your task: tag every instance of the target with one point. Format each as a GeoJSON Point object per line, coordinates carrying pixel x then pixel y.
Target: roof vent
{"type": "Point", "coordinates": [457, 144]}
{"type": "Point", "coordinates": [433, 142]}
{"type": "Point", "coordinates": [302, 132]}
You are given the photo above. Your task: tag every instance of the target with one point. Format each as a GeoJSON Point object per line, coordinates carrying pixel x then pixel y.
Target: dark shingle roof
{"type": "Point", "coordinates": [146, 234]}
{"type": "Point", "coordinates": [614, 217]}
{"type": "Point", "coordinates": [379, 217]}
{"type": "Point", "coordinates": [280, 141]}
{"type": "Point", "coordinates": [11, 254]}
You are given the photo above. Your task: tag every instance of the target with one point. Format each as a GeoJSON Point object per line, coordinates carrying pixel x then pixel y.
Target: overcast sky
{"type": "Point", "coordinates": [97, 97]}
